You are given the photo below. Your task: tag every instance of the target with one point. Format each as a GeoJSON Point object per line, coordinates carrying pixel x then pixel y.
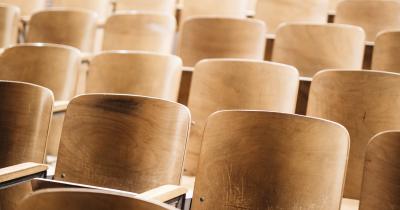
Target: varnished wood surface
{"type": "Point", "coordinates": [20, 170]}
{"type": "Point", "coordinates": [139, 73]}
{"type": "Point", "coordinates": [266, 160]}
{"type": "Point", "coordinates": [149, 134]}
{"type": "Point", "coordinates": [386, 51]}
{"type": "Point", "coordinates": [49, 65]}
{"type": "Point", "coordinates": [139, 31]}
{"type": "Point", "coordinates": [220, 84]}
{"type": "Point", "coordinates": [27, 7]}
{"type": "Point", "coordinates": [157, 6]}
{"type": "Point", "coordinates": [103, 8]}
{"type": "Point", "coordinates": [314, 47]}
{"type": "Point", "coordinates": [9, 20]}
{"type": "Point", "coordinates": [381, 182]}
{"type": "Point", "coordinates": [164, 193]}
{"type": "Point", "coordinates": [216, 37]}
{"type": "Point", "coordinates": [365, 102]}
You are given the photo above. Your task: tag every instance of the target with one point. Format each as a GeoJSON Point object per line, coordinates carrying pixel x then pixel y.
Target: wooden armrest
{"type": "Point", "coordinates": [164, 193]}
{"type": "Point", "coordinates": [60, 106]}
{"type": "Point", "coordinates": [187, 69]}
{"type": "Point", "coordinates": [21, 170]}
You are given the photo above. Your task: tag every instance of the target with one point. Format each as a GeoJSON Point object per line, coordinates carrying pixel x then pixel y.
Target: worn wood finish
{"type": "Point", "coordinates": [140, 31]}
{"type": "Point", "coordinates": [216, 37]}
{"type": "Point", "coordinates": [138, 73]}
{"type": "Point", "coordinates": [319, 46]}
{"type": "Point", "coordinates": [149, 134]}
{"type": "Point", "coordinates": [381, 183]}
{"type": "Point", "coordinates": [157, 6]}
{"type": "Point", "coordinates": [276, 12]}
{"type": "Point", "coordinates": [372, 15]}
{"type": "Point", "coordinates": [266, 160]}
{"type": "Point", "coordinates": [83, 199]}
{"type": "Point", "coordinates": [365, 102]}
{"type": "Point", "coordinates": [71, 27]}
{"type": "Point", "coordinates": [220, 84]}
{"type": "Point", "coordinates": [102, 7]}
{"type": "Point", "coordinates": [28, 7]}
{"type": "Point", "coordinates": [9, 23]}
{"type": "Point", "coordinates": [48, 65]}
{"type": "Point", "coordinates": [386, 51]}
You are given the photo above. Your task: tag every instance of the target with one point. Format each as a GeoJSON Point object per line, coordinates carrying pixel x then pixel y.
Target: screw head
{"type": "Point", "coordinates": [202, 199]}
{"type": "Point", "coordinates": [63, 175]}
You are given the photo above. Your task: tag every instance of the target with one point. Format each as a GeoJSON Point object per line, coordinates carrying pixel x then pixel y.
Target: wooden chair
{"type": "Point", "coordinates": [276, 12]}
{"type": "Point", "coordinates": [266, 160]}
{"type": "Point", "coordinates": [140, 31]}
{"type": "Point", "coordinates": [220, 84]}
{"type": "Point", "coordinates": [137, 73]}
{"type": "Point", "coordinates": [25, 111]}
{"type": "Point", "coordinates": [64, 26]}
{"type": "Point", "coordinates": [83, 199]}
{"type": "Point", "coordinates": [213, 37]}
{"type": "Point", "coordinates": [319, 46]}
{"type": "Point", "coordinates": [386, 51]}
{"type": "Point", "coordinates": [373, 16]}
{"type": "Point", "coordinates": [8, 25]}
{"type": "Point", "coordinates": [27, 7]}
{"type": "Point", "coordinates": [102, 7]}
{"type": "Point", "coordinates": [380, 188]}
{"type": "Point", "coordinates": [153, 6]}
{"type": "Point", "coordinates": [365, 102]}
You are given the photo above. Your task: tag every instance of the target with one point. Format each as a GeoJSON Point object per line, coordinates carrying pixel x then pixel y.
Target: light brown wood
{"type": "Point", "coordinates": [266, 160]}
{"type": "Point", "coordinates": [332, 5]}
{"type": "Point", "coordinates": [71, 27]}
{"type": "Point", "coordinates": [381, 182]}
{"type": "Point", "coordinates": [9, 23]}
{"type": "Point", "coordinates": [163, 193]}
{"type": "Point", "coordinates": [372, 15]}
{"type": "Point", "coordinates": [276, 12]}
{"type": "Point", "coordinates": [140, 31]}
{"type": "Point", "coordinates": [365, 102]}
{"type": "Point", "coordinates": [28, 7]}
{"type": "Point", "coordinates": [184, 87]}
{"type": "Point", "coordinates": [84, 199]}
{"type": "Point", "coordinates": [138, 73]}
{"type": "Point", "coordinates": [386, 51]}
{"type": "Point", "coordinates": [215, 37]}
{"type": "Point", "coordinates": [20, 170]}
{"type": "Point", "coordinates": [49, 65]}
{"type": "Point", "coordinates": [314, 47]}
{"type": "Point", "coordinates": [158, 6]}
{"type": "Point", "coordinates": [102, 7]}
{"type": "Point", "coordinates": [139, 145]}
{"type": "Point", "coordinates": [220, 84]}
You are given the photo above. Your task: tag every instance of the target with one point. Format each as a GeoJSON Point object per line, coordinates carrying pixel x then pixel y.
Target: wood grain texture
{"type": "Point", "coordinates": [381, 183]}
{"type": "Point", "coordinates": [73, 27]}
{"type": "Point", "coordinates": [216, 37]}
{"type": "Point", "coordinates": [139, 31]}
{"type": "Point", "coordinates": [220, 84]}
{"type": "Point", "coordinates": [319, 46]}
{"type": "Point", "coordinates": [103, 8]}
{"type": "Point", "coordinates": [20, 170]}
{"type": "Point", "coordinates": [138, 146]}
{"type": "Point", "coordinates": [27, 7]}
{"type": "Point", "coordinates": [83, 199]}
{"type": "Point", "coordinates": [265, 160]}
{"type": "Point", "coordinates": [139, 73]}
{"type": "Point", "coordinates": [53, 66]}
{"type": "Point", "coordinates": [156, 6]}
{"type": "Point", "coordinates": [372, 15]}
{"type": "Point", "coordinates": [274, 12]}
{"type": "Point", "coordinates": [365, 102]}
{"type": "Point", "coordinates": [9, 23]}
{"type": "Point", "coordinates": [386, 51]}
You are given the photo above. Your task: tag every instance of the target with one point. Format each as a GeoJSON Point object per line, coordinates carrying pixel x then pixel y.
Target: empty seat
{"type": "Point", "coordinates": [139, 31]}
{"type": "Point", "coordinates": [138, 73]}
{"type": "Point", "coordinates": [220, 84]}
{"type": "Point", "coordinates": [386, 51]}
{"type": "Point", "coordinates": [157, 6]}
{"type": "Point", "coordinates": [28, 7]}
{"type": "Point", "coordinates": [365, 102]}
{"type": "Point", "coordinates": [213, 37]}
{"type": "Point", "coordinates": [314, 47]}
{"type": "Point", "coordinates": [372, 15]}
{"type": "Point", "coordinates": [71, 27]}
{"type": "Point", "coordinates": [9, 21]}
{"type": "Point", "coordinates": [381, 183]}
{"type": "Point", "coordinates": [102, 7]}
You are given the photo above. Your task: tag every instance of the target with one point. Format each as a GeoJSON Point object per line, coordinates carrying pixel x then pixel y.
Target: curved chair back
{"type": "Point", "coordinates": [158, 6]}
{"type": "Point", "coordinates": [386, 51]}
{"type": "Point", "coordinates": [8, 25]}
{"type": "Point", "coordinates": [27, 7]}
{"type": "Point", "coordinates": [102, 7]}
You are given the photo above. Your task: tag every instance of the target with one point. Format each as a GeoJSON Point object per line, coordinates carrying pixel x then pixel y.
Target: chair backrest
{"type": "Point", "coordinates": [220, 84]}
{"type": "Point", "coordinates": [214, 37]}
{"type": "Point", "coordinates": [149, 134]}
{"type": "Point", "coordinates": [276, 12]}
{"type": "Point", "coordinates": [365, 102]}
{"type": "Point", "coordinates": [102, 7]}
{"type": "Point", "coordinates": [53, 66]}
{"type": "Point", "coordinates": [158, 6]}
{"type": "Point", "coordinates": [222, 8]}
{"type": "Point", "coordinates": [381, 183]}
{"type": "Point", "coordinates": [372, 15]}
{"type": "Point", "coordinates": [84, 199]}
{"type": "Point", "coordinates": [314, 47]}
{"type": "Point", "coordinates": [140, 31]}
{"type": "Point", "coordinates": [28, 7]}
{"type": "Point", "coordinates": [386, 51]}
{"type": "Point", "coordinates": [138, 73]}
{"type": "Point", "coordinates": [71, 27]}
{"type": "Point", "coordinates": [9, 22]}
{"type": "Point", "coordinates": [266, 160]}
